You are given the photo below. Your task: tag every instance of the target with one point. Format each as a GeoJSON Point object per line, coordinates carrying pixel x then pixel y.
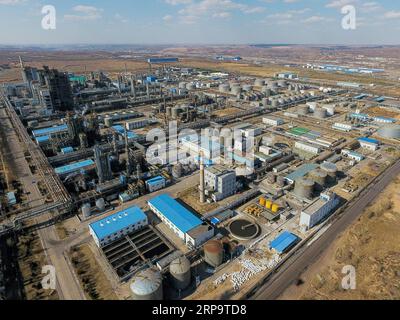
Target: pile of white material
{"type": "Point", "coordinates": [221, 279]}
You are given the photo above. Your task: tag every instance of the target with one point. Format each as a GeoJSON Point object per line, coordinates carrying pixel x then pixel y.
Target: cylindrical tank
{"type": "Point", "coordinates": [331, 169]}
{"type": "Point", "coordinates": [320, 177]}
{"type": "Point", "coordinates": [100, 204]}
{"type": "Point", "coordinates": [86, 212]}
{"type": "Point", "coordinates": [247, 87]}
{"type": "Point", "coordinates": [177, 171]}
{"type": "Point", "coordinates": [180, 273]}
{"type": "Point", "coordinates": [390, 131]}
{"type": "Point", "coordinates": [262, 201]}
{"type": "Point", "coordinates": [303, 110]}
{"type": "Point", "coordinates": [304, 188]}
{"type": "Point", "coordinates": [268, 204]}
{"type": "Point", "coordinates": [213, 253]}
{"type": "Point", "coordinates": [320, 113]}
{"type": "Point", "coordinates": [224, 88]}
{"type": "Point", "coordinates": [275, 208]}
{"type": "Point", "coordinates": [147, 285]}
{"type": "Point", "coordinates": [236, 90]}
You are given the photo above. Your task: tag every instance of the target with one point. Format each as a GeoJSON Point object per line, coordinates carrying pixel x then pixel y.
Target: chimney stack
{"type": "Point", "coordinates": [202, 191]}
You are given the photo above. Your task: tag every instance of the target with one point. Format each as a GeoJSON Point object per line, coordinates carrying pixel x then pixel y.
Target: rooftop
{"type": "Point", "coordinates": [368, 140]}
{"type": "Point", "coordinates": [117, 221]}
{"type": "Point", "coordinates": [301, 171]}
{"type": "Point", "coordinates": [181, 217]}
{"type": "Point", "coordinates": [50, 130]}
{"type": "Point", "coordinates": [74, 166]}
{"type": "Point", "coordinates": [284, 241]}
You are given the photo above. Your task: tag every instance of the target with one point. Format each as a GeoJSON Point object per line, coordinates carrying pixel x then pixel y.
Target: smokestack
{"type": "Point", "coordinates": [133, 87]}
{"type": "Point", "coordinates": [21, 63]}
{"type": "Point", "coordinates": [202, 193]}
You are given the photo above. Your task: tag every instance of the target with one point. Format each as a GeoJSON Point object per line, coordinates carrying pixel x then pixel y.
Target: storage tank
{"type": "Point", "coordinates": [100, 204]}
{"type": "Point", "coordinates": [180, 273]}
{"type": "Point", "coordinates": [262, 201]}
{"type": "Point", "coordinates": [147, 285]}
{"type": "Point", "coordinates": [177, 171]}
{"type": "Point", "coordinates": [275, 208]}
{"type": "Point", "coordinates": [268, 204]}
{"type": "Point", "coordinates": [390, 131]}
{"type": "Point", "coordinates": [331, 169]}
{"type": "Point", "coordinates": [224, 88]}
{"type": "Point", "coordinates": [320, 113]}
{"type": "Point", "coordinates": [213, 253]}
{"type": "Point", "coordinates": [320, 177]}
{"type": "Point", "coordinates": [303, 110]}
{"type": "Point", "coordinates": [236, 90]}
{"type": "Point", "coordinates": [304, 188]}
{"type": "Point", "coordinates": [86, 211]}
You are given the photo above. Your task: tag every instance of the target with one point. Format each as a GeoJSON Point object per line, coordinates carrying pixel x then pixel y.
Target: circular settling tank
{"type": "Point", "coordinates": [243, 229]}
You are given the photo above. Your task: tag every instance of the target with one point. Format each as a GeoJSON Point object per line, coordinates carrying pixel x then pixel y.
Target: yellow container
{"type": "Point", "coordinates": [262, 201]}
{"type": "Point", "coordinates": [275, 208]}
{"type": "Point", "coordinates": [268, 204]}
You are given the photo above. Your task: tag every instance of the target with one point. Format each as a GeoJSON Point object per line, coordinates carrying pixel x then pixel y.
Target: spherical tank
{"type": "Point", "coordinates": [180, 273]}
{"type": "Point", "coordinates": [304, 188]}
{"type": "Point", "coordinates": [147, 285]}
{"type": "Point", "coordinates": [213, 253]}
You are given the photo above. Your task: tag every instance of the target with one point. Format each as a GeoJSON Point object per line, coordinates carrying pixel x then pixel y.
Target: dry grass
{"type": "Point", "coordinates": [191, 197]}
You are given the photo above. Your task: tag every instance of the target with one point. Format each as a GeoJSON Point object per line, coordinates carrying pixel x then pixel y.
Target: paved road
{"type": "Point", "coordinates": [299, 262]}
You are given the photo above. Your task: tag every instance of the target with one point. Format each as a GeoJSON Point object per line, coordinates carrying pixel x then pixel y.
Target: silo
{"type": "Point", "coordinates": [247, 87]}
{"type": "Point", "coordinates": [320, 177]}
{"type": "Point", "coordinates": [86, 212]}
{"type": "Point", "coordinates": [100, 204]}
{"type": "Point", "coordinates": [320, 113]}
{"type": "Point", "coordinates": [213, 253]}
{"type": "Point", "coordinates": [259, 82]}
{"type": "Point", "coordinates": [262, 201]}
{"type": "Point", "coordinates": [224, 88]}
{"type": "Point", "coordinates": [303, 110]}
{"type": "Point", "coordinates": [304, 188]}
{"type": "Point", "coordinates": [331, 169]}
{"type": "Point", "coordinates": [147, 285]}
{"type": "Point", "coordinates": [236, 90]}
{"type": "Point", "coordinates": [180, 273]}
{"type": "Point", "coordinates": [391, 131]}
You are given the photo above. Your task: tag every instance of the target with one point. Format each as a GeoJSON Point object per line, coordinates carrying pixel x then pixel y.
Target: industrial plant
{"type": "Point", "coordinates": [182, 183]}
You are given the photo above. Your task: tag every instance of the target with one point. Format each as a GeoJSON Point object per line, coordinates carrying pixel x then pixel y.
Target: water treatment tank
{"type": "Point", "coordinates": [213, 253]}
{"type": "Point", "coordinates": [147, 285]}
{"type": "Point", "coordinates": [180, 273]}
{"type": "Point", "coordinates": [304, 188]}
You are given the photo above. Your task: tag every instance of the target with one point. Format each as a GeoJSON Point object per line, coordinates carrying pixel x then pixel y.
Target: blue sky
{"type": "Point", "coordinates": [199, 22]}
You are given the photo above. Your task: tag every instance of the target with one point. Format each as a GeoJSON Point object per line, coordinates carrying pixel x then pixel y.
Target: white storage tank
{"type": "Point", "coordinates": [147, 285]}
{"type": "Point", "coordinates": [180, 273]}
{"type": "Point", "coordinates": [101, 204]}
{"type": "Point", "coordinates": [86, 210]}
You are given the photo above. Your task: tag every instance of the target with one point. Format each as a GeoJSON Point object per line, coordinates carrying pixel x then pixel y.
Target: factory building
{"type": "Point", "coordinates": [319, 210]}
{"type": "Point", "coordinates": [155, 184]}
{"type": "Point", "coordinates": [103, 165]}
{"type": "Point", "coordinates": [384, 120]}
{"type": "Point", "coordinates": [220, 182]}
{"type": "Point", "coordinates": [308, 147]}
{"type": "Point", "coordinates": [284, 242]}
{"type": "Point", "coordinates": [273, 121]}
{"type": "Point", "coordinates": [342, 127]}
{"type": "Point", "coordinates": [56, 130]}
{"type": "Point", "coordinates": [353, 155]}
{"type": "Point", "coordinates": [189, 228]}
{"type": "Point", "coordinates": [118, 225]}
{"type": "Point", "coordinates": [137, 124]}
{"type": "Point", "coordinates": [368, 143]}
{"type": "Point", "coordinates": [74, 167]}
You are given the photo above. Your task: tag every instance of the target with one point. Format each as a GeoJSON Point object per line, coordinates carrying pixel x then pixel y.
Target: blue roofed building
{"type": "Point", "coordinates": [42, 140]}
{"type": "Point", "coordinates": [11, 199]}
{"type": "Point", "coordinates": [67, 150]}
{"type": "Point", "coordinates": [74, 167]}
{"type": "Point", "coordinates": [50, 131]}
{"type": "Point", "coordinates": [117, 225]}
{"type": "Point", "coordinates": [369, 144]}
{"type": "Point", "coordinates": [156, 183]}
{"type": "Point", "coordinates": [284, 242]}
{"type": "Point", "coordinates": [185, 224]}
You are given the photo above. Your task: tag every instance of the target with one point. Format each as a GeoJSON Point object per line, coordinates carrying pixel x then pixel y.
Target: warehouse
{"type": "Point", "coordinates": [307, 147]}
{"type": "Point", "coordinates": [74, 167]}
{"type": "Point", "coordinates": [301, 172]}
{"type": "Point", "coordinates": [284, 242]}
{"type": "Point", "coordinates": [50, 131]}
{"type": "Point", "coordinates": [353, 155]}
{"type": "Point", "coordinates": [117, 225]}
{"type": "Point", "coordinates": [180, 220]}
{"type": "Point", "coordinates": [370, 144]}
{"type": "Point", "coordinates": [272, 121]}
{"type": "Point", "coordinates": [342, 127]}
{"type": "Point", "coordinates": [137, 124]}
{"type": "Point", "coordinates": [319, 210]}
{"type": "Point", "coordinates": [155, 184]}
